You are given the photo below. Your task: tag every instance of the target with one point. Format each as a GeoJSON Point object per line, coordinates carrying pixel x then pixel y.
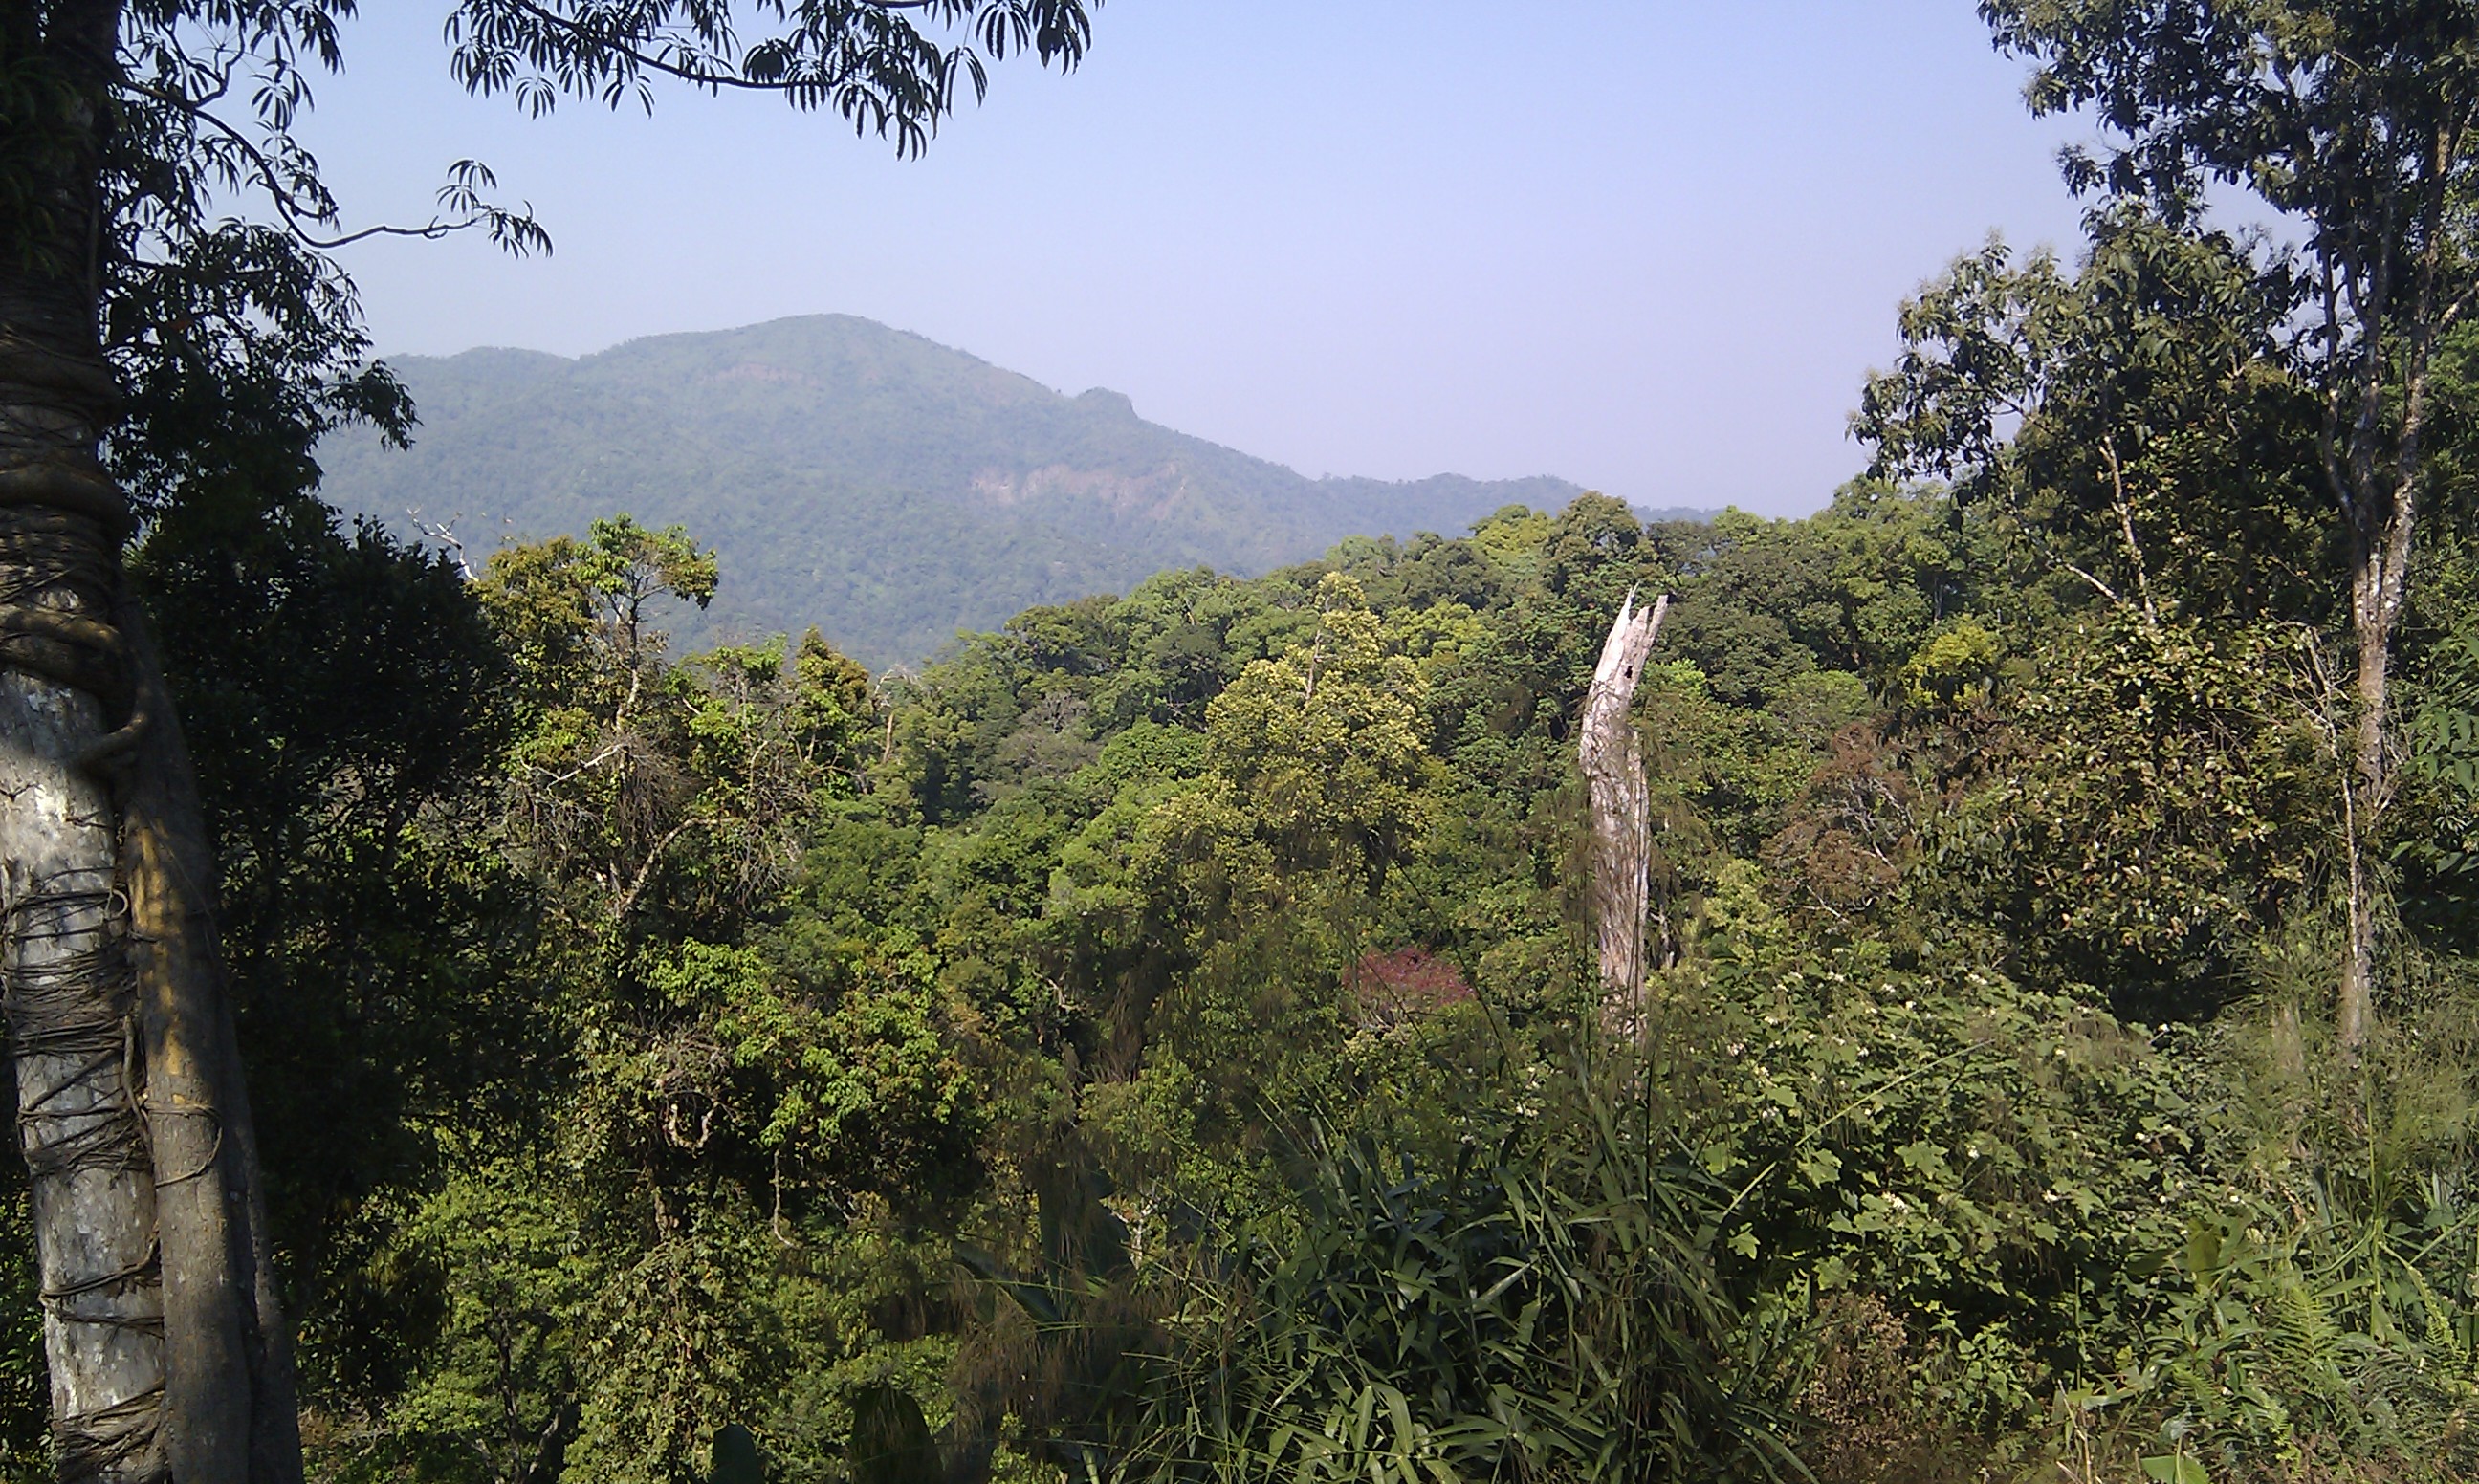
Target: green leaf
{"type": "Point", "coordinates": [2175, 1469]}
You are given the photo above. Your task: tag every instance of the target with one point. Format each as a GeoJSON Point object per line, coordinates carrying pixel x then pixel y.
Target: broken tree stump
{"type": "Point", "coordinates": [1622, 839]}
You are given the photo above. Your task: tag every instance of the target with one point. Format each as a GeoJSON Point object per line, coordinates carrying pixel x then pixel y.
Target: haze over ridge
{"type": "Point", "coordinates": [888, 489]}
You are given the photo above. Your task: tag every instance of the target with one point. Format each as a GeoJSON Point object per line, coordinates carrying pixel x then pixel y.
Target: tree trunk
{"type": "Point", "coordinates": [229, 1354]}
{"type": "Point", "coordinates": [69, 997]}
{"type": "Point", "coordinates": [2363, 806]}
{"type": "Point", "coordinates": [166, 1353]}
{"type": "Point", "coordinates": [1621, 840]}
{"type": "Point", "coordinates": [2379, 585]}
{"type": "Point", "coordinates": [167, 1356]}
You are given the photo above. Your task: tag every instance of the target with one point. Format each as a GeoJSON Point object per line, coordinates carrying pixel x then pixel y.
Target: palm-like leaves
{"type": "Point", "coordinates": [1531, 1313]}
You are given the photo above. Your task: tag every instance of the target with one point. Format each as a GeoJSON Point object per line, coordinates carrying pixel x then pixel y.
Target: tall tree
{"type": "Point", "coordinates": [2355, 119]}
{"type": "Point", "coordinates": [135, 316]}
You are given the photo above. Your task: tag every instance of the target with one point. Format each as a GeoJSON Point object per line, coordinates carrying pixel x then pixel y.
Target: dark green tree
{"type": "Point", "coordinates": [2358, 121]}
{"type": "Point", "coordinates": [2134, 426]}
{"type": "Point", "coordinates": [138, 319]}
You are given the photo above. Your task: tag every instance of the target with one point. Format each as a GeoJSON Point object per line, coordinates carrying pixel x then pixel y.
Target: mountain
{"type": "Point", "coordinates": [888, 489]}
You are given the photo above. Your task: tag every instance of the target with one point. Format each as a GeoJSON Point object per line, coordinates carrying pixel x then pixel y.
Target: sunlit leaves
{"type": "Point", "coordinates": [2138, 426]}
{"type": "Point", "coordinates": [2164, 801]}
{"type": "Point", "coordinates": [1324, 743]}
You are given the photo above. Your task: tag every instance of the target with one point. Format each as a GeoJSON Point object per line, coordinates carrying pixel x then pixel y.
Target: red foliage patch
{"type": "Point", "coordinates": [1404, 984]}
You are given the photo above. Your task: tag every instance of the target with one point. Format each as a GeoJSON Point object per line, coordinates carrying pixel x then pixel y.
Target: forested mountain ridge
{"type": "Point", "coordinates": [888, 489]}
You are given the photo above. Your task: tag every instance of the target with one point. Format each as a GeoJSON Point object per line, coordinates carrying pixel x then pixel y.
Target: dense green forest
{"type": "Point", "coordinates": [1157, 1039]}
{"type": "Point", "coordinates": [888, 490]}
{"type": "Point", "coordinates": [1162, 1037]}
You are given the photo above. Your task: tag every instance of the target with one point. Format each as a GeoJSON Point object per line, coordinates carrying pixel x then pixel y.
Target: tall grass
{"type": "Point", "coordinates": [1535, 1308]}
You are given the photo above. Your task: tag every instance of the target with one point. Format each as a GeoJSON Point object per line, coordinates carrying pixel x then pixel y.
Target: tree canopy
{"type": "Point", "coordinates": [1160, 1039]}
{"type": "Point", "coordinates": [175, 337]}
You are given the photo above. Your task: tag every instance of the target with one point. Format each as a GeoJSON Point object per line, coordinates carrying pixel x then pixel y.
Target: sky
{"type": "Point", "coordinates": [1648, 246]}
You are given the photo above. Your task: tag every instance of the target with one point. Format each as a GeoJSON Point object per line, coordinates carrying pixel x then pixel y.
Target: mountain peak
{"type": "Point", "coordinates": [887, 488]}
{"type": "Point", "coordinates": [1104, 400]}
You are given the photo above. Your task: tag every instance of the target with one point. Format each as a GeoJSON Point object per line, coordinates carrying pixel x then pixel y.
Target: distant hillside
{"type": "Point", "coordinates": [889, 490]}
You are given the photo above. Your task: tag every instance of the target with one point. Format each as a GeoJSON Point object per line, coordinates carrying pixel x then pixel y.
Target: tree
{"type": "Point", "coordinates": [2358, 121]}
{"type": "Point", "coordinates": [1322, 744]}
{"type": "Point", "coordinates": [141, 328]}
{"type": "Point", "coordinates": [719, 1081]}
{"type": "Point", "coordinates": [2134, 428]}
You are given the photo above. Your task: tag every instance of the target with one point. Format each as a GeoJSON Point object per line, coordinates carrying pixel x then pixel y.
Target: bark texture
{"type": "Point", "coordinates": [2377, 592]}
{"type": "Point", "coordinates": [69, 999]}
{"type": "Point", "coordinates": [231, 1402]}
{"type": "Point", "coordinates": [166, 1353]}
{"type": "Point", "coordinates": [1621, 841]}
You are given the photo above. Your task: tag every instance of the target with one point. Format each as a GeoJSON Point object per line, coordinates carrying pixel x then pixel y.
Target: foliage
{"type": "Point", "coordinates": [2357, 123]}
{"type": "Point", "coordinates": [1976, 1158]}
{"type": "Point", "coordinates": [1169, 954]}
{"type": "Point", "coordinates": [889, 73]}
{"type": "Point", "coordinates": [1145, 1041]}
{"type": "Point", "coordinates": [1529, 1312]}
{"type": "Point", "coordinates": [2139, 425]}
{"type": "Point", "coordinates": [2157, 809]}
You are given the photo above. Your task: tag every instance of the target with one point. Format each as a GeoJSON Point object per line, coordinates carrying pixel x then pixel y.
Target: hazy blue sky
{"type": "Point", "coordinates": [1650, 246]}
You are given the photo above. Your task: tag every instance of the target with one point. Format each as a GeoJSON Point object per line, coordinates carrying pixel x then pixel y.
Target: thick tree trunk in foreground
{"type": "Point", "coordinates": [69, 1001]}
{"type": "Point", "coordinates": [230, 1402]}
{"type": "Point", "coordinates": [1622, 838]}
{"type": "Point", "coordinates": [167, 1356]}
